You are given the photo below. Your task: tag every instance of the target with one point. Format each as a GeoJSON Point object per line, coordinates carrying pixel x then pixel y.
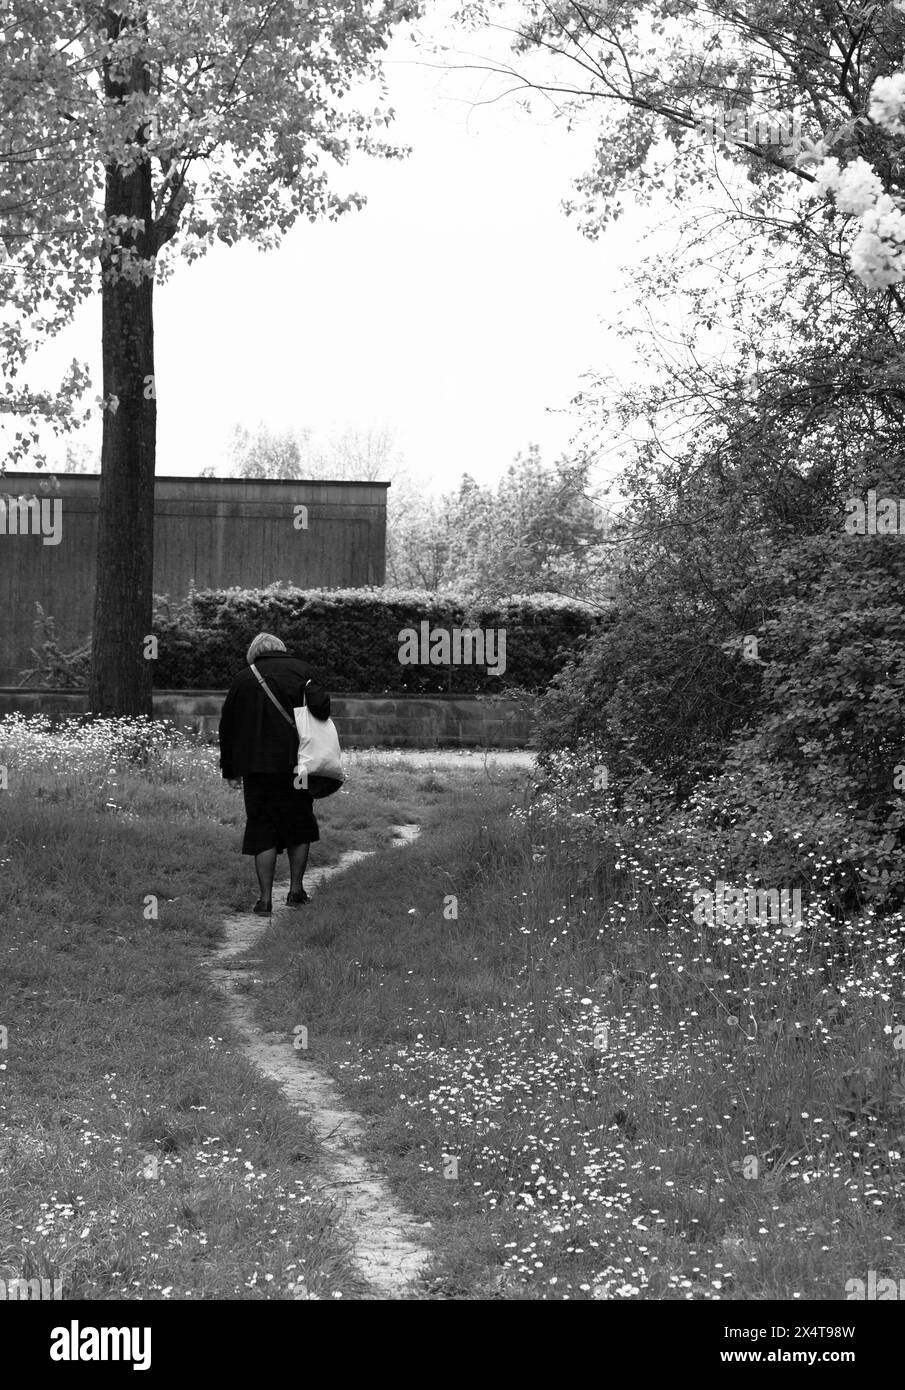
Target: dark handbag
{"type": "Point", "coordinates": [317, 786]}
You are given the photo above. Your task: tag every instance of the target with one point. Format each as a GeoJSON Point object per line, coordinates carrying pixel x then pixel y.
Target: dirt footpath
{"type": "Point", "coordinates": [386, 1247]}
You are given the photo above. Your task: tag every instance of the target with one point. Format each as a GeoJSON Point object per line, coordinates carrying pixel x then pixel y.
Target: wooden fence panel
{"type": "Point", "coordinates": [215, 532]}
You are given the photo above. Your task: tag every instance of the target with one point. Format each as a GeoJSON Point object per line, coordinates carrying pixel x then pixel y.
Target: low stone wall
{"type": "Point", "coordinates": [363, 721]}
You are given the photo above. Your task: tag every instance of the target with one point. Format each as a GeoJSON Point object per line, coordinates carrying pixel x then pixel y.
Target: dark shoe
{"type": "Point", "coordinates": [297, 899]}
{"type": "Point", "coordinates": [261, 910]}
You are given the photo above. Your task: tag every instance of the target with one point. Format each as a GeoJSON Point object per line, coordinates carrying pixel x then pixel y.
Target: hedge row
{"type": "Point", "coordinates": [352, 636]}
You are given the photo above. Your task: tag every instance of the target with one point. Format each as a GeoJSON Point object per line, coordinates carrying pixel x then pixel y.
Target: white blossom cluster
{"type": "Point", "coordinates": [887, 99]}
{"type": "Point", "coordinates": [878, 251]}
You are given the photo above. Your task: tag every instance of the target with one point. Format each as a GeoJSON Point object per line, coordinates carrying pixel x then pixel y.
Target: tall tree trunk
{"type": "Point", "coordinates": [121, 674]}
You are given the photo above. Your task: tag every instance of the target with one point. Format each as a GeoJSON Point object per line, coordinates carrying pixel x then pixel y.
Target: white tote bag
{"type": "Point", "coordinates": [320, 764]}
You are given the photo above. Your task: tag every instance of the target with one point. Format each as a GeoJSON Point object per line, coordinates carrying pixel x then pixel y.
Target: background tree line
{"type": "Point", "coordinates": [538, 530]}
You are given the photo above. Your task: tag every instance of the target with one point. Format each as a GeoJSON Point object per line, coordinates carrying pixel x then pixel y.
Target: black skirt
{"type": "Point", "coordinates": [278, 814]}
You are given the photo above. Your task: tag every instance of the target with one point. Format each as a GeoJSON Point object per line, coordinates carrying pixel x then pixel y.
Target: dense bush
{"type": "Point", "coordinates": [746, 697]}
{"type": "Point", "coordinates": [352, 637]}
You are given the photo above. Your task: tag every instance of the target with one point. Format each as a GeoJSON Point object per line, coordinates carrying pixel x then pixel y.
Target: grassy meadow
{"type": "Point", "coordinates": [141, 1156]}
{"type": "Point", "coordinates": [587, 1094]}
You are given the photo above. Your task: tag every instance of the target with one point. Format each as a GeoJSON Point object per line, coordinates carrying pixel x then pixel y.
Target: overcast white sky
{"type": "Point", "coordinates": [458, 310]}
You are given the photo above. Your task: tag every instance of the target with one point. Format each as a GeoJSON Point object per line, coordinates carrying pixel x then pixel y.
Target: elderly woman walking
{"type": "Point", "coordinates": [260, 746]}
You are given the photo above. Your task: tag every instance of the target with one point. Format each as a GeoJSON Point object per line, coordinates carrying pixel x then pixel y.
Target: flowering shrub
{"type": "Point", "coordinates": [878, 251]}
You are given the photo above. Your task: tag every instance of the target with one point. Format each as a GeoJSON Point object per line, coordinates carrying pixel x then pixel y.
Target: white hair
{"type": "Point", "coordinates": [264, 642]}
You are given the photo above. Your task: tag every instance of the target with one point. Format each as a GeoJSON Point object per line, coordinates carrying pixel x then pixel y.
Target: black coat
{"type": "Point", "coordinates": [254, 736]}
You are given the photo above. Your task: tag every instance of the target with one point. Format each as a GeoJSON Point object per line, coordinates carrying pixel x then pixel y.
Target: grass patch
{"type": "Point", "coordinates": [587, 1094]}
{"type": "Point", "coordinates": [634, 1109]}
{"type": "Point", "coordinates": [142, 1157]}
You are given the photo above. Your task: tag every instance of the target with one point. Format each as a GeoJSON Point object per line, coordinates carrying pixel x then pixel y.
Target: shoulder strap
{"type": "Point", "coordinates": [267, 691]}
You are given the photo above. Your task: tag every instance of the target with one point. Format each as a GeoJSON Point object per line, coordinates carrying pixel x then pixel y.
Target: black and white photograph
{"type": "Point", "coordinates": [452, 659]}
